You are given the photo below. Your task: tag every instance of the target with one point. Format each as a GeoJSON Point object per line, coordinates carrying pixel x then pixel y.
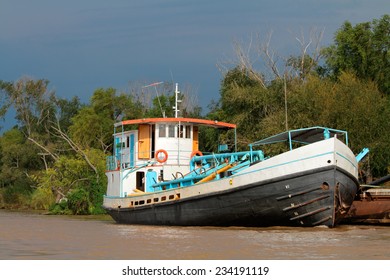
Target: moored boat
{"type": "Point", "coordinates": [158, 176]}
{"type": "Point", "coordinates": [371, 204]}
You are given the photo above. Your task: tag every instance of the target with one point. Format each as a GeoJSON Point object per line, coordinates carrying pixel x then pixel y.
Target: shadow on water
{"type": "Point", "coordinates": [34, 236]}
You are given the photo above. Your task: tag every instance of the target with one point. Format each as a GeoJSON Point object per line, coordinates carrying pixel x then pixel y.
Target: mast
{"type": "Point", "coordinates": [176, 107]}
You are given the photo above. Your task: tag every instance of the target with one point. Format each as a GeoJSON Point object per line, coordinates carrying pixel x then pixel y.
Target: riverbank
{"type": "Point", "coordinates": [98, 217]}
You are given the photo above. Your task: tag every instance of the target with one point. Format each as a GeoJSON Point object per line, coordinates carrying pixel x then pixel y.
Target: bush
{"type": "Point", "coordinates": [60, 208]}
{"type": "Point", "coordinates": [42, 198]}
{"type": "Point", "coordinates": [78, 202]}
{"type": "Point", "coordinates": [18, 195]}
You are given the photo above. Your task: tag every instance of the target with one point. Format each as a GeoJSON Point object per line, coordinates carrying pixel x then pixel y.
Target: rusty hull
{"type": "Point", "coordinates": [372, 206]}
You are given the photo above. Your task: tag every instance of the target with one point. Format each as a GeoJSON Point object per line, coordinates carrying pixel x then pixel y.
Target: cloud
{"type": "Point", "coordinates": [81, 45]}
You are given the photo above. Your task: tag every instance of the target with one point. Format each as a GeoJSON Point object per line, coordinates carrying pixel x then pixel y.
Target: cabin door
{"type": "Point", "coordinates": [144, 141]}
{"type": "Point", "coordinates": [140, 181]}
{"type": "Point", "coordinates": [151, 179]}
{"type": "Point", "coordinates": [118, 148]}
{"type": "Point", "coordinates": [132, 150]}
{"type": "Point", "coordinates": [195, 139]}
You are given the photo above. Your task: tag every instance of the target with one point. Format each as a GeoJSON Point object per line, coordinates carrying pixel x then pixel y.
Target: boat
{"type": "Point", "coordinates": [158, 176]}
{"type": "Point", "coordinates": [371, 204]}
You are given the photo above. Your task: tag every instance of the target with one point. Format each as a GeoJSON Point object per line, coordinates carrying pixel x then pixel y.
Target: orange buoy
{"type": "Point", "coordinates": [196, 153]}
{"type": "Point", "coordinates": [161, 155]}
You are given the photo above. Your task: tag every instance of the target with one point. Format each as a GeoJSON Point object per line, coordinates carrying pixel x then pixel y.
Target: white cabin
{"type": "Point", "coordinates": [152, 150]}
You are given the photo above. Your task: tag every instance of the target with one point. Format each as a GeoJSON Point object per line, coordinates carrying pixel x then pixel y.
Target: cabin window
{"type": "Point", "coordinates": [171, 131]}
{"type": "Point", "coordinates": [180, 131]}
{"type": "Point", "coordinates": [188, 131]}
{"type": "Point", "coordinates": [162, 130]}
{"type": "Point", "coordinates": [155, 199]}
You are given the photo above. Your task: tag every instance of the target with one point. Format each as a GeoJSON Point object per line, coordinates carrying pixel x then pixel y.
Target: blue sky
{"type": "Point", "coordinates": [81, 45]}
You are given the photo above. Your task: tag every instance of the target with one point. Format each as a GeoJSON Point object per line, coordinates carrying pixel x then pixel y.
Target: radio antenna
{"type": "Point", "coordinates": [158, 97]}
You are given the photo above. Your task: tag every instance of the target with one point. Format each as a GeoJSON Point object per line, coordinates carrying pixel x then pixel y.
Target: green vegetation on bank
{"type": "Point", "coordinates": [54, 158]}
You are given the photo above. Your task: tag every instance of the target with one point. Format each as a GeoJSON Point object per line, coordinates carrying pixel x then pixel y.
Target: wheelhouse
{"type": "Point", "coordinates": [152, 150]}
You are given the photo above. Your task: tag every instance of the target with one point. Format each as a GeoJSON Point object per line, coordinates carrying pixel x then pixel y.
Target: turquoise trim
{"type": "Point", "coordinates": [362, 154]}
{"type": "Point", "coordinates": [132, 150]}
{"type": "Point", "coordinates": [347, 159]}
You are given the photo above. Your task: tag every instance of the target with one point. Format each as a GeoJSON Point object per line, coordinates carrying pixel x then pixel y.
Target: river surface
{"type": "Point", "coordinates": [29, 236]}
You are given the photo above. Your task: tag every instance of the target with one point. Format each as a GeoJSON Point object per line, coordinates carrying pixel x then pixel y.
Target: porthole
{"type": "Point", "coordinates": [325, 186]}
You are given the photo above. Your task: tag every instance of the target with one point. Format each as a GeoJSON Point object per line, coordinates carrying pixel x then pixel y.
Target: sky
{"type": "Point", "coordinates": [82, 45]}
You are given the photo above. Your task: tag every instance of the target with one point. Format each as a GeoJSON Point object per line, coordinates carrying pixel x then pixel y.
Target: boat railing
{"type": "Point", "coordinates": [112, 163]}
{"type": "Point", "coordinates": [209, 167]}
{"type": "Point", "coordinates": [303, 136]}
{"type": "Point", "coordinates": [132, 160]}
{"type": "Point", "coordinates": [189, 179]}
{"type": "Point", "coordinates": [136, 168]}
{"type": "Point", "coordinates": [227, 157]}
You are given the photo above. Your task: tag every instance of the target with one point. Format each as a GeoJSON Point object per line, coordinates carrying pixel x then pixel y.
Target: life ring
{"type": "Point", "coordinates": [196, 153]}
{"type": "Point", "coordinates": [161, 156]}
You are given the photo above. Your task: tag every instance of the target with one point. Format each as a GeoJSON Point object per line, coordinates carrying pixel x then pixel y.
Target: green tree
{"type": "Point", "coordinates": [66, 110]}
{"type": "Point", "coordinates": [347, 104]}
{"type": "Point", "coordinates": [4, 102]}
{"type": "Point", "coordinates": [18, 162]}
{"type": "Point", "coordinates": [362, 49]}
{"type": "Point", "coordinates": [162, 105]}
{"type": "Point", "coordinates": [245, 102]}
{"type": "Point", "coordinates": [44, 120]}
{"type": "Point", "coordinates": [93, 125]}
{"type": "Point", "coordinates": [71, 179]}
{"type": "Point", "coordinates": [32, 103]}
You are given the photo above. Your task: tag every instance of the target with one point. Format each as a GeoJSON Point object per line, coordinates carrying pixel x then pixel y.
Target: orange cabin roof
{"type": "Point", "coordinates": [216, 124]}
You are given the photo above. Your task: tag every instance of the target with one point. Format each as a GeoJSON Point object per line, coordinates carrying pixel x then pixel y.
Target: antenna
{"type": "Point", "coordinates": [176, 101]}
{"type": "Point", "coordinates": [158, 97]}
{"type": "Point", "coordinates": [153, 85]}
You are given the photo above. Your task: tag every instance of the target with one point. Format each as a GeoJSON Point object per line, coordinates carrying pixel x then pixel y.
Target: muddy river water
{"type": "Point", "coordinates": [30, 236]}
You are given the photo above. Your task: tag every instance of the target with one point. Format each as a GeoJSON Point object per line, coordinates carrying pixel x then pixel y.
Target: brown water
{"type": "Point", "coordinates": [33, 236]}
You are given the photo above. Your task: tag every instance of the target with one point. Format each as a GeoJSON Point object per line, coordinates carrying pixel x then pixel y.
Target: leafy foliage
{"type": "Point", "coordinates": [364, 50]}
{"type": "Point", "coordinates": [78, 201]}
{"type": "Point", "coordinates": [42, 198]}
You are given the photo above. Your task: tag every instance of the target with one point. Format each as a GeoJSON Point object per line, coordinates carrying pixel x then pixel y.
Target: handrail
{"type": "Point", "coordinates": [231, 157]}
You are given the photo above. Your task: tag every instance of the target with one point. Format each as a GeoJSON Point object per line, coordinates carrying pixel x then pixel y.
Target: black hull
{"type": "Point", "coordinates": [318, 197]}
